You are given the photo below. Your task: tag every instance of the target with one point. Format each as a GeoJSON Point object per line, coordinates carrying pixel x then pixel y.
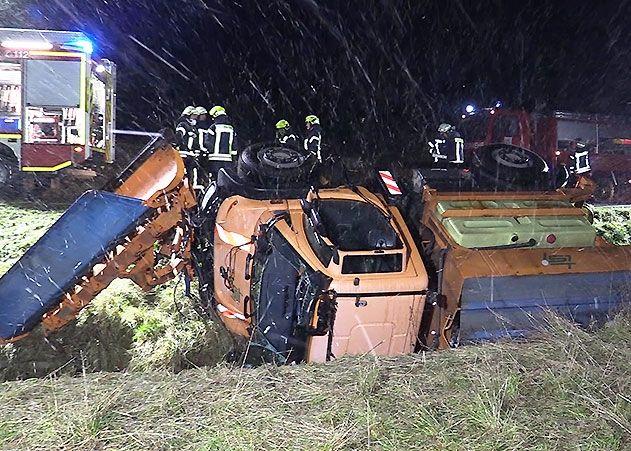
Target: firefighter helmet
{"type": "Point", "coordinates": [217, 110]}
{"type": "Point", "coordinates": [188, 110]}
{"type": "Point", "coordinates": [200, 110]}
{"type": "Point", "coordinates": [312, 119]}
{"type": "Point", "coordinates": [445, 128]}
{"type": "Point", "coordinates": [580, 144]}
{"type": "Point", "coordinates": [282, 124]}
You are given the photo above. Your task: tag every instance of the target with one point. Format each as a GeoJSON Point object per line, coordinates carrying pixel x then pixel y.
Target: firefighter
{"type": "Point", "coordinates": [203, 122]}
{"type": "Point", "coordinates": [313, 140]}
{"type": "Point", "coordinates": [186, 133]}
{"type": "Point", "coordinates": [448, 147]}
{"type": "Point", "coordinates": [219, 149]}
{"type": "Point", "coordinates": [285, 134]}
{"type": "Point", "coordinates": [578, 156]}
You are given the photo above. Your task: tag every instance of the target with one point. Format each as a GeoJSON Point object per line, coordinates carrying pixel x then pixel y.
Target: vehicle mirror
{"type": "Point", "coordinates": [336, 255]}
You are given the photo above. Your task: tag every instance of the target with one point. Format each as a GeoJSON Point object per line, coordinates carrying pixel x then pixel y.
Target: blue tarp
{"type": "Point", "coordinates": [494, 307]}
{"type": "Point", "coordinates": [90, 228]}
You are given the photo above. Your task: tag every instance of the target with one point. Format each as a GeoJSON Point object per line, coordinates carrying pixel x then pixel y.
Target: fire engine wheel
{"type": "Point", "coordinates": [605, 190]}
{"type": "Point", "coordinates": [264, 162]}
{"type": "Point", "coordinates": [8, 171]}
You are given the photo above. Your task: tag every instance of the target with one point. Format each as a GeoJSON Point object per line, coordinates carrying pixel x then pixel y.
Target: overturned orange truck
{"type": "Point", "coordinates": [311, 274]}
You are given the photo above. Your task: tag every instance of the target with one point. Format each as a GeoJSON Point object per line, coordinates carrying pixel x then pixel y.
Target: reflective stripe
{"type": "Point", "coordinates": [224, 311]}
{"type": "Point", "coordinates": [46, 168]}
{"type": "Point", "coordinates": [459, 150]}
{"type": "Point", "coordinates": [220, 157]}
{"type": "Point", "coordinates": [233, 238]}
{"type": "Point", "coordinates": [390, 182]}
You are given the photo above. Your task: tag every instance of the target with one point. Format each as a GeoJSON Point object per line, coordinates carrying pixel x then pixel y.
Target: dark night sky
{"type": "Point", "coordinates": [376, 72]}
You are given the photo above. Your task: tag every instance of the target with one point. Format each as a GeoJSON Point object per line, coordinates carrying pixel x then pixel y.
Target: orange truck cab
{"type": "Point", "coordinates": [306, 279]}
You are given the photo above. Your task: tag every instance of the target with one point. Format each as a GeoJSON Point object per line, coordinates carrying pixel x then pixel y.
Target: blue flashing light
{"type": "Point", "coordinates": [470, 109]}
{"type": "Point", "coordinates": [85, 45]}
{"type": "Point", "coordinates": [498, 104]}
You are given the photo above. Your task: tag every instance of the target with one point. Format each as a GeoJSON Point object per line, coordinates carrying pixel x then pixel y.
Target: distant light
{"type": "Point", "coordinates": [84, 45]}
{"type": "Point", "coordinates": [498, 104]}
{"type": "Point", "coordinates": [26, 45]}
{"type": "Point", "coordinates": [492, 111]}
{"type": "Point", "coordinates": [469, 108]}
{"type": "Point", "coordinates": [557, 152]}
{"type": "Point", "coordinates": [100, 68]}
{"type": "Point", "coordinates": [464, 116]}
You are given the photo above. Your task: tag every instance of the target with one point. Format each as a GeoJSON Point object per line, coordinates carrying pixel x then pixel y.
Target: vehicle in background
{"type": "Point", "coordinates": [607, 156]}
{"type": "Point", "coordinates": [57, 104]}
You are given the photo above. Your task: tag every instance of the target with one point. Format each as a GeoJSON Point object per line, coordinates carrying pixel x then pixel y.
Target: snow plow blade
{"type": "Point", "coordinates": [91, 227]}
{"type": "Point", "coordinates": [514, 306]}
{"type": "Point", "coordinates": [161, 172]}
{"type": "Point", "coordinates": [137, 232]}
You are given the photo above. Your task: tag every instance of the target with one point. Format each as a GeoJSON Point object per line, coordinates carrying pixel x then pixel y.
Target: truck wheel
{"type": "Point", "coordinates": [510, 167]}
{"type": "Point", "coordinates": [272, 163]}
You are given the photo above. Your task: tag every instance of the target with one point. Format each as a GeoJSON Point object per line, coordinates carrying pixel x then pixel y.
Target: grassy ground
{"type": "Point", "coordinates": [567, 390]}
{"type": "Point", "coordinates": [123, 328]}
{"type": "Point", "coordinates": [614, 223]}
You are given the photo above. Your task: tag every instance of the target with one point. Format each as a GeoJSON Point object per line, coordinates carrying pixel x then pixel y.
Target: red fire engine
{"type": "Point", "coordinates": [57, 104]}
{"type": "Point", "coordinates": [606, 140]}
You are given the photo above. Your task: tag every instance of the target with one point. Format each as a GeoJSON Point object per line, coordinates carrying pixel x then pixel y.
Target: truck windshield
{"type": "Point", "coordinates": [284, 291]}
{"type": "Point", "coordinates": [356, 226]}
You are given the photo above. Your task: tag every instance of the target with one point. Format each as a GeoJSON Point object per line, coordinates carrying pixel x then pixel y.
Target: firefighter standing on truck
{"type": "Point", "coordinates": [186, 133]}
{"type": "Point", "coordinates": [313, 140]}
{"type": "Point", "coordinates": [185, 130]}
{"type": "Point", "coordinates": [285, 134]}
{"type": "Point", "coordinates": [448, 147]}
{"type": "Point", "coordinates": [219, 148]}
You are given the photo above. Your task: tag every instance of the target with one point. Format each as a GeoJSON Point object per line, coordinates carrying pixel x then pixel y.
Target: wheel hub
{"type": "Point", "coordinates": [514, 158]}
{"type": "Point", "coordinates": [281, 157]}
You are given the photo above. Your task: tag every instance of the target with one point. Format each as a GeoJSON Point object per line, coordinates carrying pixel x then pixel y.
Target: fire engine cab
{"type": "Point", "coordinates": [57, 104]}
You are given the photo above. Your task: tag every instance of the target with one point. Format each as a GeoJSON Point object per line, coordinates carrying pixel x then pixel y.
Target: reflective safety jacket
{"type": "Point", "coordinates": [313, 141]}
{"type": "Point", "coordinates": [287, 138]}
{"type": "Point", "coordinates": [447, 147]}
{"type": "Point", "coordinates": [186, 135]}
{"type": "Point", "coordinates": [579, 161]}
{"type": "Point", "coordinates": [219, 140]}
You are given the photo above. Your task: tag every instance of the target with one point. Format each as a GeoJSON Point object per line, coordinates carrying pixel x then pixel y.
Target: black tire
{"type": "Point", "coordinates": [8, 174]}
{"type": "Point", "coordinates": [605, 188]}
{"type": "Point", "coordinates": [274, 163]}
{"type": "Point", "coordinates": [503, 166]}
